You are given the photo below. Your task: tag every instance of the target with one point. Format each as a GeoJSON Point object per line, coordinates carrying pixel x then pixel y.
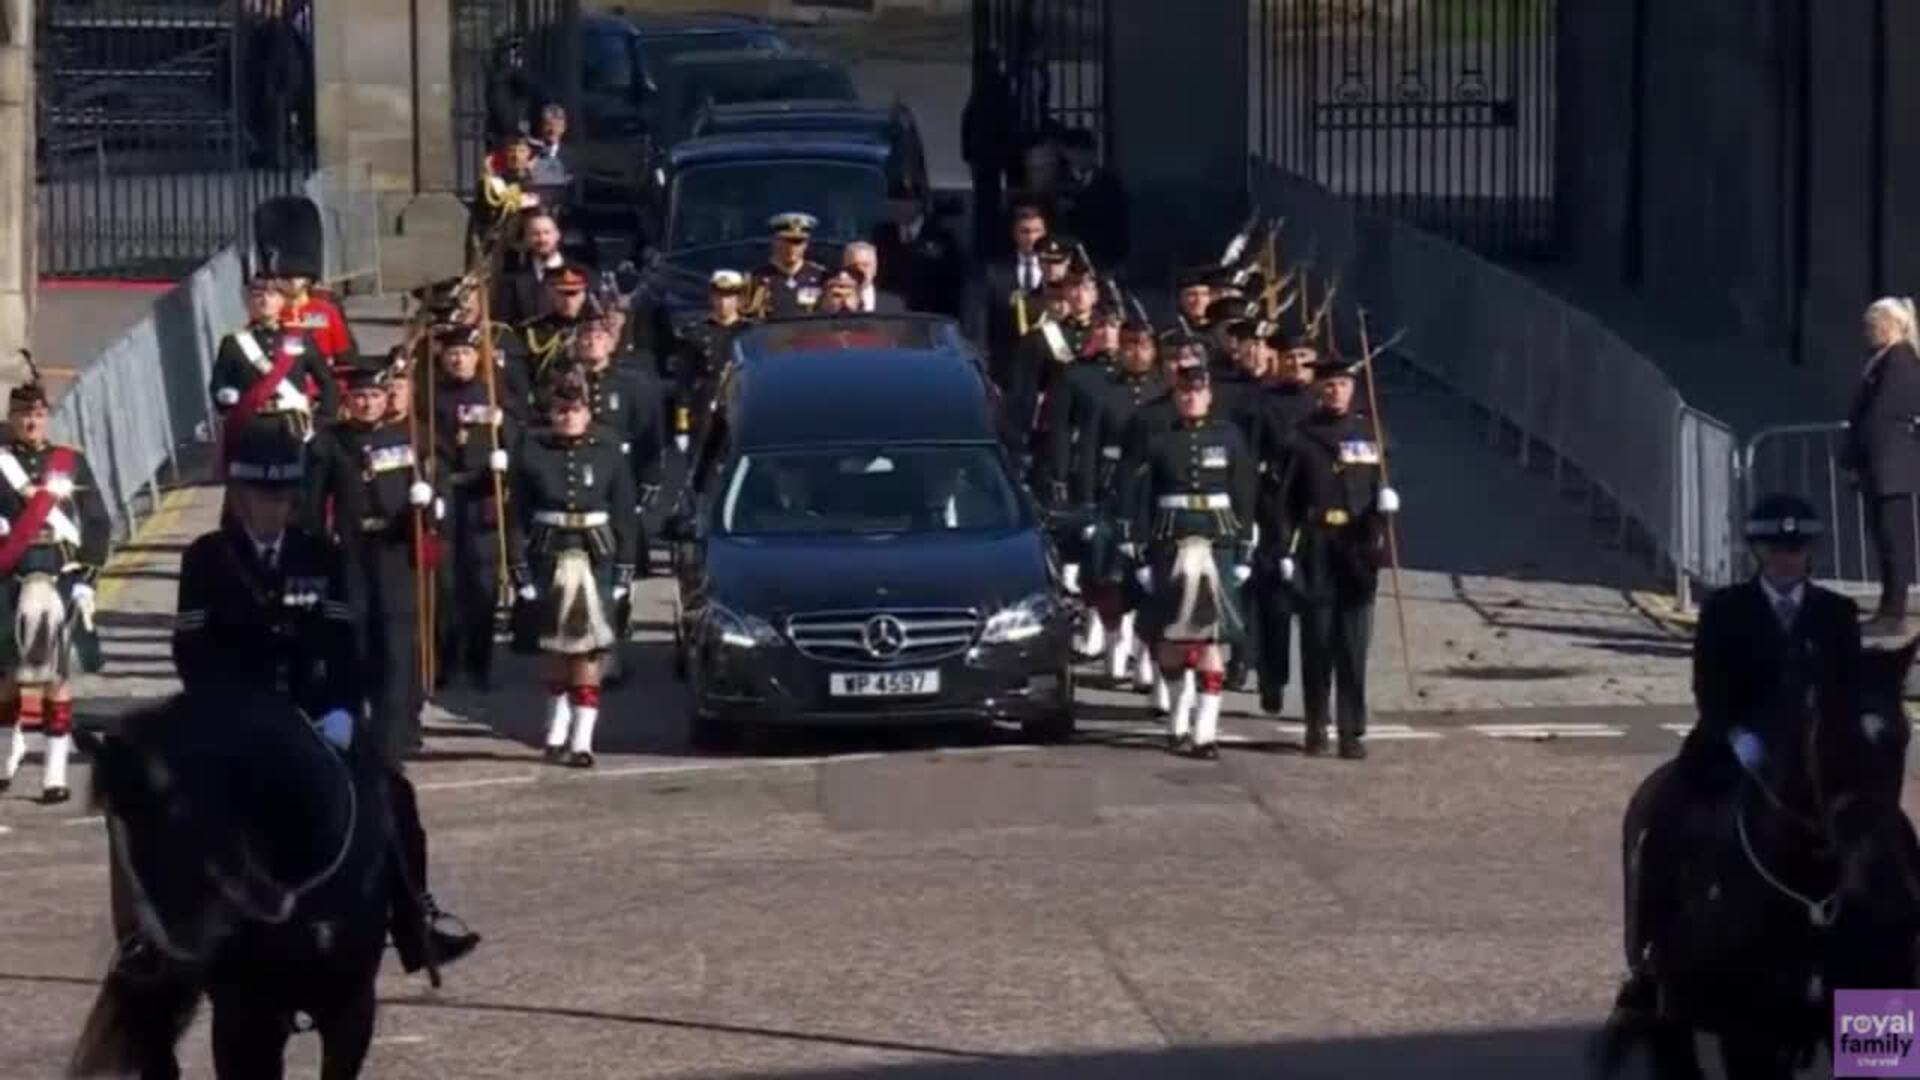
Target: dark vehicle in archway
{"type": "Point", "coordinates": [855, 548]}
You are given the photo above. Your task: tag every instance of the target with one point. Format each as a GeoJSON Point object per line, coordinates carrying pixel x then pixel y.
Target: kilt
{"type": "Point", "coordinates": [85, 642]}
{"type": "Point", "coordinates": [1162, 609]}
{"type": "Point", "coordinates": [573, 614]}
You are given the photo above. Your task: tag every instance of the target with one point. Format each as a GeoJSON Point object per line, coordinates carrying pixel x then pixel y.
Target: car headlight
{"type": "Point", "coordinates": [738, 630]}
{"type": "Point", "coordinates": [1019, 621]}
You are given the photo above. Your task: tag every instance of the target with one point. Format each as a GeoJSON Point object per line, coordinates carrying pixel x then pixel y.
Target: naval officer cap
{"type": "Point", "coordinates": [727, 281]}
{"type": "Point", "coordinates": [264, 455]}
{"type": "Point", "coordinates": [793, 225]}
{"type": "Point", "coordinates": [1786, 520]}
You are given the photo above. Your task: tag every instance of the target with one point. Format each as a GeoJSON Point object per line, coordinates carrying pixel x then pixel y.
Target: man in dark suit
{"type": "Point", "coordinates": [987, 124]}
{"type": "Point", "coordinates": [1091, 203]}
{"type": "Point", "coordinates": [520, 294]}
{"type": "Point", "coordinates": [1756, 641]}
{"type": "Point", "coordinates": [921, 261]}
{"type": "Point", "coordinates": [1011, 283]}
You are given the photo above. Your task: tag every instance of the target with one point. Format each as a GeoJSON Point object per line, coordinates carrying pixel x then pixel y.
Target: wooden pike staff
{"type": "Point", "coordinates": [489, 372]}
{"type": "Point", "coordinates": [1369, 355]}
{"type": "Point", "coordinates": [422, 574]}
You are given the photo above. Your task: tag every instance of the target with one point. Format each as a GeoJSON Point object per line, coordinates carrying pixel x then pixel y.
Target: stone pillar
{"type": "Point", "coordinates": [384, 87]}
{"type": "Point", "coordinates": [17, 226]}
{"type": "Point", "coordinates": [1178, 120]}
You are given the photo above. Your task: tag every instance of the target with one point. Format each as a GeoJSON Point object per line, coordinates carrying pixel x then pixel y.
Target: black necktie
{"type": "Point", "coordinates": [267, 555]}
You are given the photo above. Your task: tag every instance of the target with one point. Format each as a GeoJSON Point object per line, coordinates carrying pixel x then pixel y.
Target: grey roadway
{"type": "Point", "coordinates": [877, 905]}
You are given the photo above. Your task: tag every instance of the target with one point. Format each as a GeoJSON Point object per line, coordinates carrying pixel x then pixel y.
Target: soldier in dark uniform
{"type": "Point", "coordinates": [1755, 642]}
{"type": "Point", "coordinates": [1068, 411]}
{"type": "Point", "coordinates": [1192, 295]}
{"type": "Point", "coordinates": [382, 511]}
{"type": "Point", "coordinates": [1285, 402]}
{"type": "Point", "coordinates": [574, 543]}
{"type": "Point", "coordinates": [790, 283]}
{"type": "Point", "coordinates": [627, 405]}
{"type": "Point", "coordinates": [1339, 510]}
{"type": "Point", "coordinates": [298, 401]}
{"type": "Point", "coordinates": [1237, 396]}
{"type": "Point", "coordinates": [476, 439]}
{"type": "Point", "coordinates": [265, 604]}
{"type": "Point", "coordinates": [543, 340]}
{"type": "Point", "coordinates": [1193, 517]}
{"type": "Point", "coordinates": [701, 353]}
{"type": "Point", "coordinates": [1056, 341]}
{"type": "Point", "coordinates": [920, 259]}
{"type": "Point", "coordinates": [54, 536]}
{"type": "Point", "coordinates": [1096, 473]}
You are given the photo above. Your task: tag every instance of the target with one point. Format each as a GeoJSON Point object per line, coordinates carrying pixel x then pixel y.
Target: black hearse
{"type": "Point", "coordinates": [855, 547]}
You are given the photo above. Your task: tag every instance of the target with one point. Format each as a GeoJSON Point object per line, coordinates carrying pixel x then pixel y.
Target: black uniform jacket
{"type": "Point", "coordinates": [233, 370]}
{"type": "Point", "coordinates": [368, 472]}
{"type": "Point", "coordinates": [1743, 659]}
{"type": "Point", "coordinates": [587, 475]}
{"type": "Point", "coordinates": [83, 507]}
{"type": "Point", "coordinates": [1035, 368]}
{"type": "Point", "coordinates": [928, 272]}
{"type": "Point", "coordinates": [1203, 457]}
{"type": "Point", "coordinates": [1066, 414]}
{"type": "Point", "coordinates": [999, 323]}
{"type": "Point", "coordinates": [774, 293]}
{"type": "Point", "coordinates": [537, 346]}
{"type": "Point", "coordinates": [469, 427]}
{"type": "Point", "coordinates": [1882, 444]}
{"type": "Point", "coordinates": [283, 629]}
{"type": "Point", "coordinates": [629, 405]}
{"type": "Point", "coordinates": [1330, 495]}
{"type": "Point", "coordinates": [1283, 409]}
{"type": "Point", "coordinates": [700, 355]}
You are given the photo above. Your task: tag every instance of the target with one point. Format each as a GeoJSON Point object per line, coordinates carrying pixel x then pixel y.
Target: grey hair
{"type": "Point", "coordinates": [1901, 310]}
{"type": "Point", "coordinates": [861, 246]}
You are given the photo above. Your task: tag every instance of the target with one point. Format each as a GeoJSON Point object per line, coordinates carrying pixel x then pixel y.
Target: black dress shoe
{"type": "Point", "coordinates": [1208, 752]}
{"type": "Point", "coordinates": [5, 783]}
{"type": "Point", "coordinates": [1316, 741]}
{"type": "Point", "coordinates": [1639, 995]}
{"type": "Point", "coordinates": [1180, 744]}
{"type": "Point", "coordinates": [54, 796]}
{"type": "Point", "coordinates": [1270, 700]}
{"type": "Point", "coordinates": [580, 759]}
{"type": "Point", "coordinates": [1353, 750]}
{"type": "Point", "coordinates": [555, 755]}
{"type": "Point", "coordinates": [1236, 675]}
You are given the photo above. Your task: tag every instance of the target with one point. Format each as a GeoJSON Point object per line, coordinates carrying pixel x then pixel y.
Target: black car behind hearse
{"type": "Point", "coordinates": [854, 547]}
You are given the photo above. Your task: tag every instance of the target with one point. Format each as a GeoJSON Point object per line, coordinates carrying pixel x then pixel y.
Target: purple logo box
{"type": "Point", "coordinates": [1873, 1033]}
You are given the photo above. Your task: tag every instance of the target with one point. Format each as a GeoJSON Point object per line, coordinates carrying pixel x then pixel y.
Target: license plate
{"type": "Point", "coordinates": [883, 683]}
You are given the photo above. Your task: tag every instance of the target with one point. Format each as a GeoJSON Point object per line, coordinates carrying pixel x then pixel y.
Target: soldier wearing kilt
{"type": "Point", "coordinates": [1098, 471]}
{"type": "Point", "coordinates": [54, 532]}
{"type": "Point", "coordinates": [573, 541]}
{"type": "Point", "coordinates": [475, 440]}
{"type": "Point", "coordinates": [1198, 486]}
{"type": "Point", "coordinates": [1339, 508]}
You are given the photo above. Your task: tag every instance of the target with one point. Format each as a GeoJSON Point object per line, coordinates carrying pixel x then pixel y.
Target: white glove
{"type": "Point", "coordinates": [1388, 501]}
{"type": "Point", "coordinates": [1144, 576]}
{"type": "Point", "coordinates": [1070, 578]}
{"type": "Point", "coordinates": [83, 595]}
{"type": "Point", "coordinates": [681, 442]}
{"type": "Point", "coordinates": [5, 526]}
{"type": "Point", "coordinates": [1286, 568]}
{"type": "Point", "coordinates": [528, 592]}
{"type": "Point", "coordinates": [1130, 550]}
{"type": "Point", "coordinates": [497, 461]}
{"type": "Point", "coordinates": [1241, 574]}
{"type": "Point", "coordinates": [420, 494]}
{"type": "Point", "coordinates": [226, 396]}
{"type": "Point", "coordinates": [619, 593]}
{"type": "Point", "coordinates": [337, 728]}
{"type": "Point", "coordinates": [439, 509]}
{"type": "Point", "coordinates": [1088, 532]}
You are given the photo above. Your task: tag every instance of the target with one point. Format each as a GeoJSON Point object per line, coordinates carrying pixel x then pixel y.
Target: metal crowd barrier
{"type": "Point", "coordinates": [1556, 384]}
{"type": "Point", "coordinates": [350, 222]}
{"type": "Point", "coordinates": [1804, 460]}
{"type": "Point", "coordinates": [145, 397]}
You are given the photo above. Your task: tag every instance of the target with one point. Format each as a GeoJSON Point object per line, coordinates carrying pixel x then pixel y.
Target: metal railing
{"type": "Point", "coordinates": [1804, 460]}
{"type": "Point", "coordinates": [1558, 387]}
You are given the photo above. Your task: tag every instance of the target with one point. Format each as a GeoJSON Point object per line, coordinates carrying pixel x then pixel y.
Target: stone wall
{"type": "Point", "coordinates": [17, 270]}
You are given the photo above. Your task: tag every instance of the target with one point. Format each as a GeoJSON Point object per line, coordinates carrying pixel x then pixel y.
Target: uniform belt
{"type": "Point", "coordinates": [1334, 517]}
{"type": "Point", "coordinates": [587, 519]}
{"type": "Point", "coordinates": [1215, 501]}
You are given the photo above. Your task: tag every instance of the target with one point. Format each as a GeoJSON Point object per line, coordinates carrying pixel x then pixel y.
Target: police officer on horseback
{"type": "Point", "coordinates": [1768, 635]}
{"type": "Point", "coordinates": [54, 532]}
{"type": "Point", "coordinates": [264, 603]}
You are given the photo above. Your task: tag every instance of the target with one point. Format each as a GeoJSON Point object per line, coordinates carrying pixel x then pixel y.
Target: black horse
{"type": "Point", "coordinates": [255, 858]}
{"type": "Point", "coordinates": [1803, 881]}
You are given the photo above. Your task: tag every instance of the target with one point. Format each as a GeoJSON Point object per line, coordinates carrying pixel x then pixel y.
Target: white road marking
{"type": "Point", "coordinates": [1549, 731]}
{"type": "Point", "coordinates": [5, 829]}
{"type": "Point", "coordinates": [399, 1040]}
{"type": "Point", "coordinates": [692, 768]}
{"type": "Point", "coordinates": [480, 782]}
{"type": "Point", "coordinates": [1677, 729]}
{"type": "Point", "coordinates": [96, 819]}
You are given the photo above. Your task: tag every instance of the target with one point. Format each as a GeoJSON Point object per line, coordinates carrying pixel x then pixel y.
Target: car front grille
{"type": "Point", "coordinates": [924, 635]}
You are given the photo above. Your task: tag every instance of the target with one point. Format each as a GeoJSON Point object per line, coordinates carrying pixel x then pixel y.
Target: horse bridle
{"type": "Point", "coordinates": [1824, 911]}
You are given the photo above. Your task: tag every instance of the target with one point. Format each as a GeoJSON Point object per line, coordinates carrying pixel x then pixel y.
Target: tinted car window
{"type": "Point", "coordinates": [747, 82]}
{"type": "Point", "coordinates": [607, 63]}
{"type": "Point", "coordinates": [720, 203]}
{"type": "Point", "coordinates": [865, 490]}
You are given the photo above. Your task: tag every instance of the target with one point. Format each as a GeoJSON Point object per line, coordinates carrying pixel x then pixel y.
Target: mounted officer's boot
{"type": "Point", "coordinates": [423, 935]}
{"type": "Point", "coordinates": [1647, 909]}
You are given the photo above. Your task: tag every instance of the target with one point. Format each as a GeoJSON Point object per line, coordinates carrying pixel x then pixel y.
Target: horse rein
{"type": "Point", "coordinates": [1822, 912]}
{"type": "Point", "coordinates": [299, 892]}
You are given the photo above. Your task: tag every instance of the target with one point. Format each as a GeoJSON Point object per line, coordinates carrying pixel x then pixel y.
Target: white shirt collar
{"type": "Point", "coordinates": [866, 298]}
{"type": "Point", "coordinates": [263, 544]}
{"type": "Point", "coordinates": [1774, 596]}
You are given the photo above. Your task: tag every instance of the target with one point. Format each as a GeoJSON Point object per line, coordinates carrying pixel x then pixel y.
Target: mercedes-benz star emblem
{"type": "Point", "coordinates": [885, 636]}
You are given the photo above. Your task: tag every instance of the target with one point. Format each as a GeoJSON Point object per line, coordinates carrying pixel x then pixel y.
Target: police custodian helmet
{"type": "Point", "coordinates": [1785, 520]}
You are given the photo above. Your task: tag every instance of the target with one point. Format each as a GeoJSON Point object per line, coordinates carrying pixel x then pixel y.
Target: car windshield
{"type": "Point", "coordinates": [717, 204]}
{"type": "Point", "coordinates": [657, 52]}
{"type": "Point", "coordinates": [869, 490]}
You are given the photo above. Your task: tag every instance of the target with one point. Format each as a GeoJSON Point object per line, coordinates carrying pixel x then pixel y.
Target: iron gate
{"type": "Point", "coordinates": [1053, 54]}
{"type": "Point", "coordinates": [1440, 112]}
{"type": "Point", "coordinates": [161, 123]}
{"type": "Point", "coordinates": [485, 34]}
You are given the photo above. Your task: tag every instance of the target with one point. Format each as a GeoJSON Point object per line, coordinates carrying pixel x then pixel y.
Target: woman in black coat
{"type": "Point", "coordinates": [1883, 449]}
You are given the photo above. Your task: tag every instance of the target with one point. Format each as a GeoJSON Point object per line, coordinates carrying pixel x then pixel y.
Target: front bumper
{"type": "Point", "coordinates": [776, 683]}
